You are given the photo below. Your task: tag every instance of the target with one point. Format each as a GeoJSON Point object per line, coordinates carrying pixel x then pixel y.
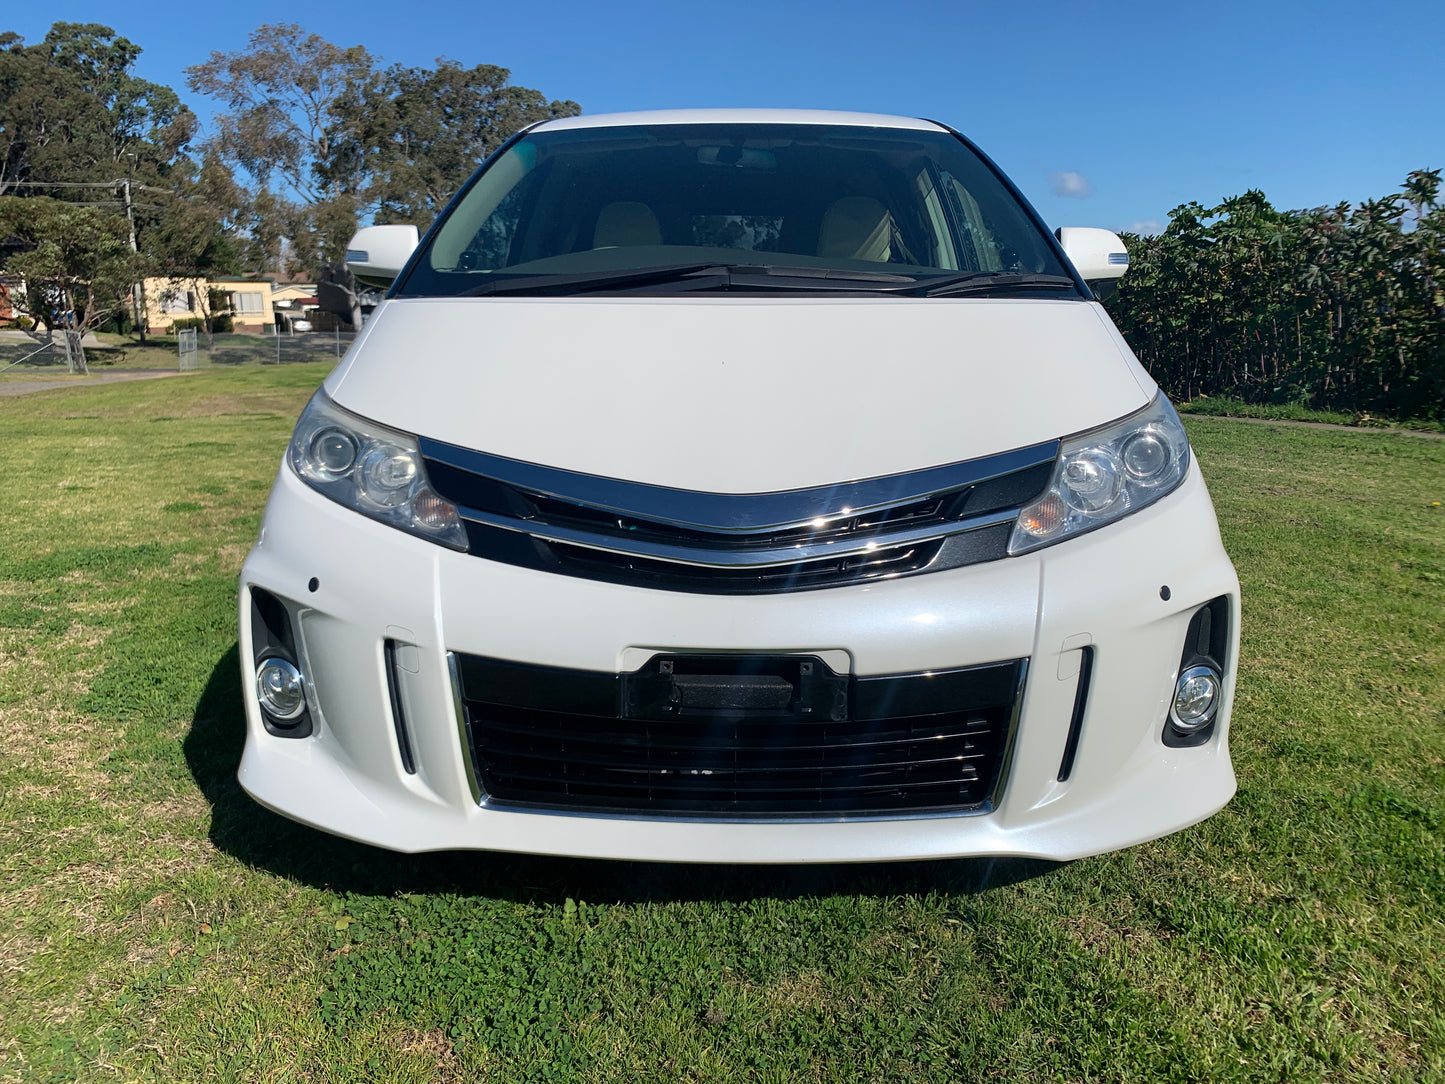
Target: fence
{"type": "Point", "coordinates": [273, 349]}
{"type": "Point", "coordinates": [17, 352]}
{"type": "Point", "coordinates": [192, 351]}
{"type": "Point", "coordinates": [64, 352]}
{"type": "Point", "coordinates": [186, 347]}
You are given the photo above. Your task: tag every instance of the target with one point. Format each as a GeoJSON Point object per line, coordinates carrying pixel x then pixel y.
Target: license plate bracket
{"type": "Point", "coordinates": [679, 686]}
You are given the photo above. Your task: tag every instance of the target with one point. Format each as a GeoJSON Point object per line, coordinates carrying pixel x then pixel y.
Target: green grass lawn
{"type": "Point", "coordinates": [1223, 406]}
{"type": "Point", "coordinates": [155, 924]}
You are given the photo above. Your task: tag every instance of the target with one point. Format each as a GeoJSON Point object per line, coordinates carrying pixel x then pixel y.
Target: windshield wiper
{"type": "Point", "coordinates": [980, 281]}
{"type": "Point", "coordinates": [698, 276]}
{"type": "Point", "coordinates": [691, 277]}
{"type": "Point", "coordinates": [580, 281]}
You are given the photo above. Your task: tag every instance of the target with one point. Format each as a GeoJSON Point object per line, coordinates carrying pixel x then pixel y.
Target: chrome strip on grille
{"type": "Point", "coordinates": [735, 558]}
{"type": "Point", "coordinates": [650, 536]}
{"type": "Point", "coordinates": [736, 512]}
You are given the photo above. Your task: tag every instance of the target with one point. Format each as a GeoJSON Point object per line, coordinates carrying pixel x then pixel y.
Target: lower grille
{"type": "Point", "coordinates": [718, 736]}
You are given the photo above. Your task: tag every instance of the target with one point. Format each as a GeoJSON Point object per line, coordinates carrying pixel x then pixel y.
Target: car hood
{"type": "Point", "coordinates": [740, 395]}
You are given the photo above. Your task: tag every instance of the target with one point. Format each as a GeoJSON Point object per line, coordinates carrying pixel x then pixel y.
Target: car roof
{"type": "Point", "coordinates": [739, 116]}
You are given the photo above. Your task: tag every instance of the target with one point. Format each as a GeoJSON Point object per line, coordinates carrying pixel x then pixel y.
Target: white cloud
{"type": "Point", "coordinates": [1071, 185]}
{"type": "Point", "coordinates": [1148, 227]}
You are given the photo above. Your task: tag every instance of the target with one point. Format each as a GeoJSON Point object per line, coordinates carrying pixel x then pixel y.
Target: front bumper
{"type": "Point", "coordinates": [1100, 591]}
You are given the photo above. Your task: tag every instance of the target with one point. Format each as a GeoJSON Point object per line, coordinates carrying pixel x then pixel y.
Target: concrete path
{"type": "Point", "coordinates": [18, 387]}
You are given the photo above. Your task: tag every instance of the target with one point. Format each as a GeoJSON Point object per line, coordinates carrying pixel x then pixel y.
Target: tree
{"type": "Point", "coordinates": [76, 263]}
{"type": "Point", "coordinates": [70, 110]}
{"type": "Point", "coordinates": [284, 93]}
{"type": "Point", "coordinates": [76, 124]}
{"type": "Point", "coordinates": [417, 133]}
{"type": "Point", "coordinates": [201, 235]}
{"type": "Point", "coordinates": [345, 140]}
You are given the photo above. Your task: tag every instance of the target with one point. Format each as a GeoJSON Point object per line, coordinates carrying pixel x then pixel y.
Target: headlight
{"type": "Point", "coordinates": [1105, 474]}
{"type": "Point", "coordinates": [372, 469]}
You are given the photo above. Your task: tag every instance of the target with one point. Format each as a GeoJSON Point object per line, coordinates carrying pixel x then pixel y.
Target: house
{"type": "Point", "coordinates": [256, 305]}
{"type": "Point", "coordinates": [292, 299]}
{"type": "Point", "coordinates": [11, 286]}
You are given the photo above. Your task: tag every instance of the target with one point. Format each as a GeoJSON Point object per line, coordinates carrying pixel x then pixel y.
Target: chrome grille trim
{"type": "Point", "coordinates": [735, 558]}
{"type": "Point", "coordinates": [737, 513]}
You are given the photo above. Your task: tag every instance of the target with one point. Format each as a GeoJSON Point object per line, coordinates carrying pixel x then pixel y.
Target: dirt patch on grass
{"type": "Point", "coordinates": [232, 556]}
{"type": "Point", "coordinates": [59, 746]}
{"type": "Point", "coordinates": [436, 1049]}
{"type": "Point", "coordinates": [254, 404]}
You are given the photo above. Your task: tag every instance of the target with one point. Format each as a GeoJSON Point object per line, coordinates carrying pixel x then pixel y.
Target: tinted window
{"type": "Point", "coordinates": [851, 198]}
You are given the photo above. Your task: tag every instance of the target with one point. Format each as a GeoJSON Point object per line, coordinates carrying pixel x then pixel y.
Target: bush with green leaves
{"type": "Point", "coordinates": [1336, 308]}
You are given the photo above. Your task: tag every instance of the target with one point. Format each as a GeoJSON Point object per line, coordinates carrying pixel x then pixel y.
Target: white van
{"type": "Point", "coordinates": [740, 486]}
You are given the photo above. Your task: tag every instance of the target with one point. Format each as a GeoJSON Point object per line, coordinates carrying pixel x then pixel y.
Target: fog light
{"type": "Point", "coordinates": [1196, 699]}
{"type": "Point", "coordinates": [279, 686]}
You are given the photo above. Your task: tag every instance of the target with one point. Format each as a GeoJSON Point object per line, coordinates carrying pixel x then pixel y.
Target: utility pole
{"type": "Point", "coordinates": [138, 296]}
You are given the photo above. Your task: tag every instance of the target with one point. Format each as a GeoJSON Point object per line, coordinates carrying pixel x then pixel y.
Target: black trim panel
{"type": "Point", "coordinates": [1076, 721]}
{"type": "Point", "coordinates": [398, 717]}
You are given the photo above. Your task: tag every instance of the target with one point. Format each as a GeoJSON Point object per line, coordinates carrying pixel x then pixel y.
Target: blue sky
{"type": "Point", "coordinates": [1105, 114]}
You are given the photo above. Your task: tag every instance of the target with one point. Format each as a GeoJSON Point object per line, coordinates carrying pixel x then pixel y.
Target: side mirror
{"type": "Point", "coordinates": [1099, 256]}
{"type": "Point", "coordinates": [376, 254]}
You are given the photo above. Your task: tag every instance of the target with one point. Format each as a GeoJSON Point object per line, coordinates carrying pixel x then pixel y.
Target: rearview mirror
{"type": "Point", "coordinates": [1098, 255]}
{"type": "Point", "coordinates": [376, 254]}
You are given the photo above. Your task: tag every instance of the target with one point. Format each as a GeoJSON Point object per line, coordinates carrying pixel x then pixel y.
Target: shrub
{"type": "Point", "coordinates": [220, 323]}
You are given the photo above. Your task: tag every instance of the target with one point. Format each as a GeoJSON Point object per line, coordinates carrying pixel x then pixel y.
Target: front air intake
{"type": "Point", "coordinates": [738, 736]}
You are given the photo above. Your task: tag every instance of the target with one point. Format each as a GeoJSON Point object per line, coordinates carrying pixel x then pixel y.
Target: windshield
{"type": "Point", "coordinates": [878, 204]}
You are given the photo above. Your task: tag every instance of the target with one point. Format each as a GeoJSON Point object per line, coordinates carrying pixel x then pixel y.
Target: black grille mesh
{"type": "Point", "coordinates": [547, 738]}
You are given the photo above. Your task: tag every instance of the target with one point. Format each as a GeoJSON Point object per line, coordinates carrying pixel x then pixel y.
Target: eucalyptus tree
{"type": "Point", "coordinates": [419, 132]}
{"type": "Point", "coordinates": [329, 137]}
{"type": "Point", "coordinates": [71, 110]}
{"type": "Point", "coordinates": [284, 96]}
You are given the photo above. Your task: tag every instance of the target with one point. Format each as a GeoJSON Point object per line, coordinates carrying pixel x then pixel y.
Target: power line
{"type": "Point", "coordinates": [61, 184]}
{"type": "Point", "coordinates": [109, 204]}
{"type": "Point", "coordinates": [84, 184]}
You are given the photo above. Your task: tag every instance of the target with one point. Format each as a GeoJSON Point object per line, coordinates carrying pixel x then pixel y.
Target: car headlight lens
{"type": "Point", "coordinates": [371, 469]}
{"type": "Point", "coordinates": [1107, 473]}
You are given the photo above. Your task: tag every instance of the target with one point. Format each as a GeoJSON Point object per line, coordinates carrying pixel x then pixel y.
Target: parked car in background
{"type": "Point", "coordinates": [740, 486]}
